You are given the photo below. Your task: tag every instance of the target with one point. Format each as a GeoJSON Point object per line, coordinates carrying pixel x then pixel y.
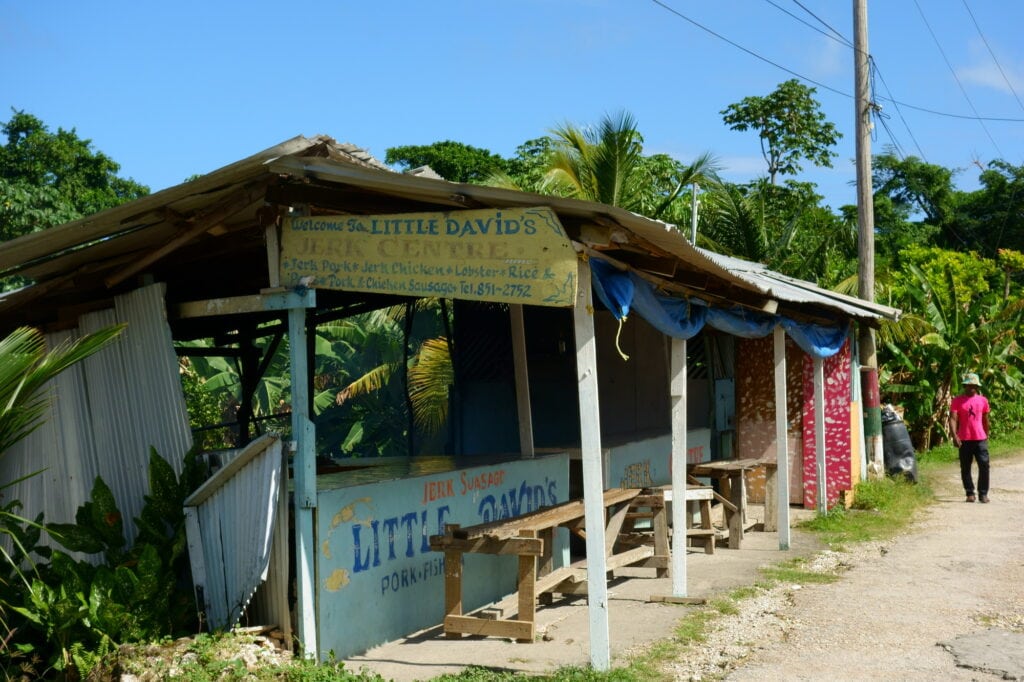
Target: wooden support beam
{"type": "Point", "coordinates": [234, 204]}
{"type": "Point", "coordinates": [528, 586]}
{"type": "Point", "coordinates": [452, 591]}
{"type": "Point", "coordinates": [215, 307]}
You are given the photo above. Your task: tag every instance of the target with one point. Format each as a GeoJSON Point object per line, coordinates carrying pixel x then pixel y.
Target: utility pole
{"type": "Point", "coordinates": [866, 238]}
{"type": "Point", "coordinates": [693, 215]}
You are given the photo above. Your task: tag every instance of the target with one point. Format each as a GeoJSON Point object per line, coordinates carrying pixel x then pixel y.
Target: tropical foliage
{"type": "Point", "coordinates": [956, 328]}
{"type": "Point", "coordinates": [49, 178]}
{"type": "Point", "coordinates": [790, 125]}
{"type": "Point", "coordinates": [25, 366]}
{"type": "Point", "coordinates": [378, 378]}
{"type": "Point", "coordinates": [74, 612]}
{"type": "Point", "coordinates": [453, 161]}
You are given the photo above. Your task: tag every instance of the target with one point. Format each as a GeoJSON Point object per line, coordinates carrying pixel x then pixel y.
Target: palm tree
{"type": "Point", "coordinates": [606, 164]}
{"type": "Point", "coordinates": [782, 228]}
{"type": "Point", "coordinates": [25, 366]}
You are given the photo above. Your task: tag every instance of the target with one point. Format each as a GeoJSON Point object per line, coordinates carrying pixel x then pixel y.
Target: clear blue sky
{"type": "Point", "coordinates": [172, 89]}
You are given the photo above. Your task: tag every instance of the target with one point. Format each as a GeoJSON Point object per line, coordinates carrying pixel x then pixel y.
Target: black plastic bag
{"type": "Point", "coordinates": [897, 450]}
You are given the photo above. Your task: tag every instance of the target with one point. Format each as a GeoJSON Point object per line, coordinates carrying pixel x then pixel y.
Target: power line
{"type": "Point", "coordinates": [843, 39]}
{"type": "Point", "coordinates": [949, 115]}
{"type": "Point", "coordinates": [835, 35]}
{"type": "Point", "coordinates": [840, 39]}
{"type": "Point", "coordinates": [989, 48]}
{"type": "Point", "coordinates": [957, 78]}
{"type": "Point", "coordinates": [935, 112]}
{"type": "Point", "coordinates": [748, 51]}
{"type": "Point", "coordinates": [875, 71]}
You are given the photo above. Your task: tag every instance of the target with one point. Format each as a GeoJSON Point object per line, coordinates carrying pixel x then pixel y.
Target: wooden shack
{"type": "Point", "coordinates": [558, 393]}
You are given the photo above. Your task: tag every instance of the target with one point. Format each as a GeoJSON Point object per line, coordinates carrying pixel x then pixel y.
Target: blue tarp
{"type": "Point", "coordinates": [622, 292]}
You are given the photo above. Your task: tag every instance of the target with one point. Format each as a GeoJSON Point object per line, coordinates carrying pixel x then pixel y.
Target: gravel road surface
{"type": "Point", "coordinates": [943, 601]}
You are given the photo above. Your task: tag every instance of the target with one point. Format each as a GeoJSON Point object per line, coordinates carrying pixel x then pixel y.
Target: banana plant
{"type": "Point", "coordinates": [960, 333]}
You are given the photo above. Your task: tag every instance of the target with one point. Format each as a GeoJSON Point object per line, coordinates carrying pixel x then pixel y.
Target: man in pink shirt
{"type": "Point", "coordinates": [969, 416]}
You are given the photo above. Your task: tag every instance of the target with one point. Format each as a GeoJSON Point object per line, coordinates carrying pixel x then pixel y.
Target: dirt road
{"type": "Point", "coordinates": [948, 593]}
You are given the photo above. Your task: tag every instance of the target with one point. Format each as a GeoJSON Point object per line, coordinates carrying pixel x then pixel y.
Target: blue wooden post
{"type": "Point", "coordinates": [304, 461]}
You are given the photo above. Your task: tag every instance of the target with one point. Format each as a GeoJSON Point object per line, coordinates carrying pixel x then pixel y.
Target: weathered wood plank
{"type": "Point", "coordinates": [528, 586]}
{"type": "Point", "coordinates": [629, 557]}
{"type": "Point", "coordinates": [547, 517]}
{"type": "Point", "coordinates": [220, 306]}
{"type": "Point", "coordinates": [452, 590]}
{"type": "Point", "coordinates": [488, 545]}
{"type": "Point", "coordinates": [469, 625]}
{"type": "Point", "coordinates": [668, 599]}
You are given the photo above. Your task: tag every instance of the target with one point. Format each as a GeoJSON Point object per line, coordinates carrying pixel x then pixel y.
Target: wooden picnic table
{"type": "Point", "coordinates": [731, 477]}
{"type": "Point", "coordinates": [530, 538]}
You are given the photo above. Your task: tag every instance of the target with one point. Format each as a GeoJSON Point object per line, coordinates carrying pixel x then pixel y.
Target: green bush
{"type": "Point", "coordinates": [72, 614]}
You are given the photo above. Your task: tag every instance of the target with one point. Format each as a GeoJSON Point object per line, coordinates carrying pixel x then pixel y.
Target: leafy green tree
{"type": "Point", "coordinates": [992, 217]}
{"type": "Point", "coordinates": [50, 178]}
{"type": "Point", "coordinates": [451, 160]}
{"type": "Point", "coordinates": [527, 169]}
{"type": "Point", "coordinates": [1012, 263]}
{"type": "Point", "coordinates": [791, 127]}
{"type": "Point", "coordinates": [917, 203]}
{"type": "Point", "coordinates": [914, 186]}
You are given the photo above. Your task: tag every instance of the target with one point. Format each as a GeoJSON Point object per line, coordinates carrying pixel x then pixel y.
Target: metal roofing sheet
{"type": "Point", "coordinates": [321, 158]}
{"type": "Point", "coordinates": [795, 290]}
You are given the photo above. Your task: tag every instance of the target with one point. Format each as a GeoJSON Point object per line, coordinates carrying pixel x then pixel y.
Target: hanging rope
{"type": "Point", "coordinates": [617, 334]}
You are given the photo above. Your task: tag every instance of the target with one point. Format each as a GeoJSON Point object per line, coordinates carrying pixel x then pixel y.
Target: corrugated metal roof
{"type": "Point", "coordinates": [794, 290]}
{"type": "Point", "coordinates": [92, 248]}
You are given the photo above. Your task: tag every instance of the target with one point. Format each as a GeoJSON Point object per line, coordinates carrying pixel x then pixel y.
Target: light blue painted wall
{"type": "Point", "coordinates": [377, 579]}
{"type": "Point", "coordinates": [647, 462]}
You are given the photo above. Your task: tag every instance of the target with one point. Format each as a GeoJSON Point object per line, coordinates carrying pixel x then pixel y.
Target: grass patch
{"type": "Point", "coordinates": [219, 658]}
{"type": "Point", "coordinates": [999, 445]}
{"type": "Point", "coordinates": [882, 508]}
{"type": "Point", "coordinates": [793, 573]}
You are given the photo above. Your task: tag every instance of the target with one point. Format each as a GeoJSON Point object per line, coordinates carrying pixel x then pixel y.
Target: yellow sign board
{"type": "Point", "coordinates": [509, 255]}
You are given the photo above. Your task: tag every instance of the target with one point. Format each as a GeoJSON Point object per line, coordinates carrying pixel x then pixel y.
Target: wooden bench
{"type": "Point", "coordinates": [530, 538]}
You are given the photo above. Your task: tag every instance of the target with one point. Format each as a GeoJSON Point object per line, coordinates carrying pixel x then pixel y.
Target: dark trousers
{"type": "Point", "coordinates": [971, 450]}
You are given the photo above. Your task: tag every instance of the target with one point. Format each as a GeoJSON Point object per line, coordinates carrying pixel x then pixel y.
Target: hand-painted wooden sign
{"type": "Point", "coordinates": [509, 255]}
{"type": "Point", "coordinates": [377, 578]}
